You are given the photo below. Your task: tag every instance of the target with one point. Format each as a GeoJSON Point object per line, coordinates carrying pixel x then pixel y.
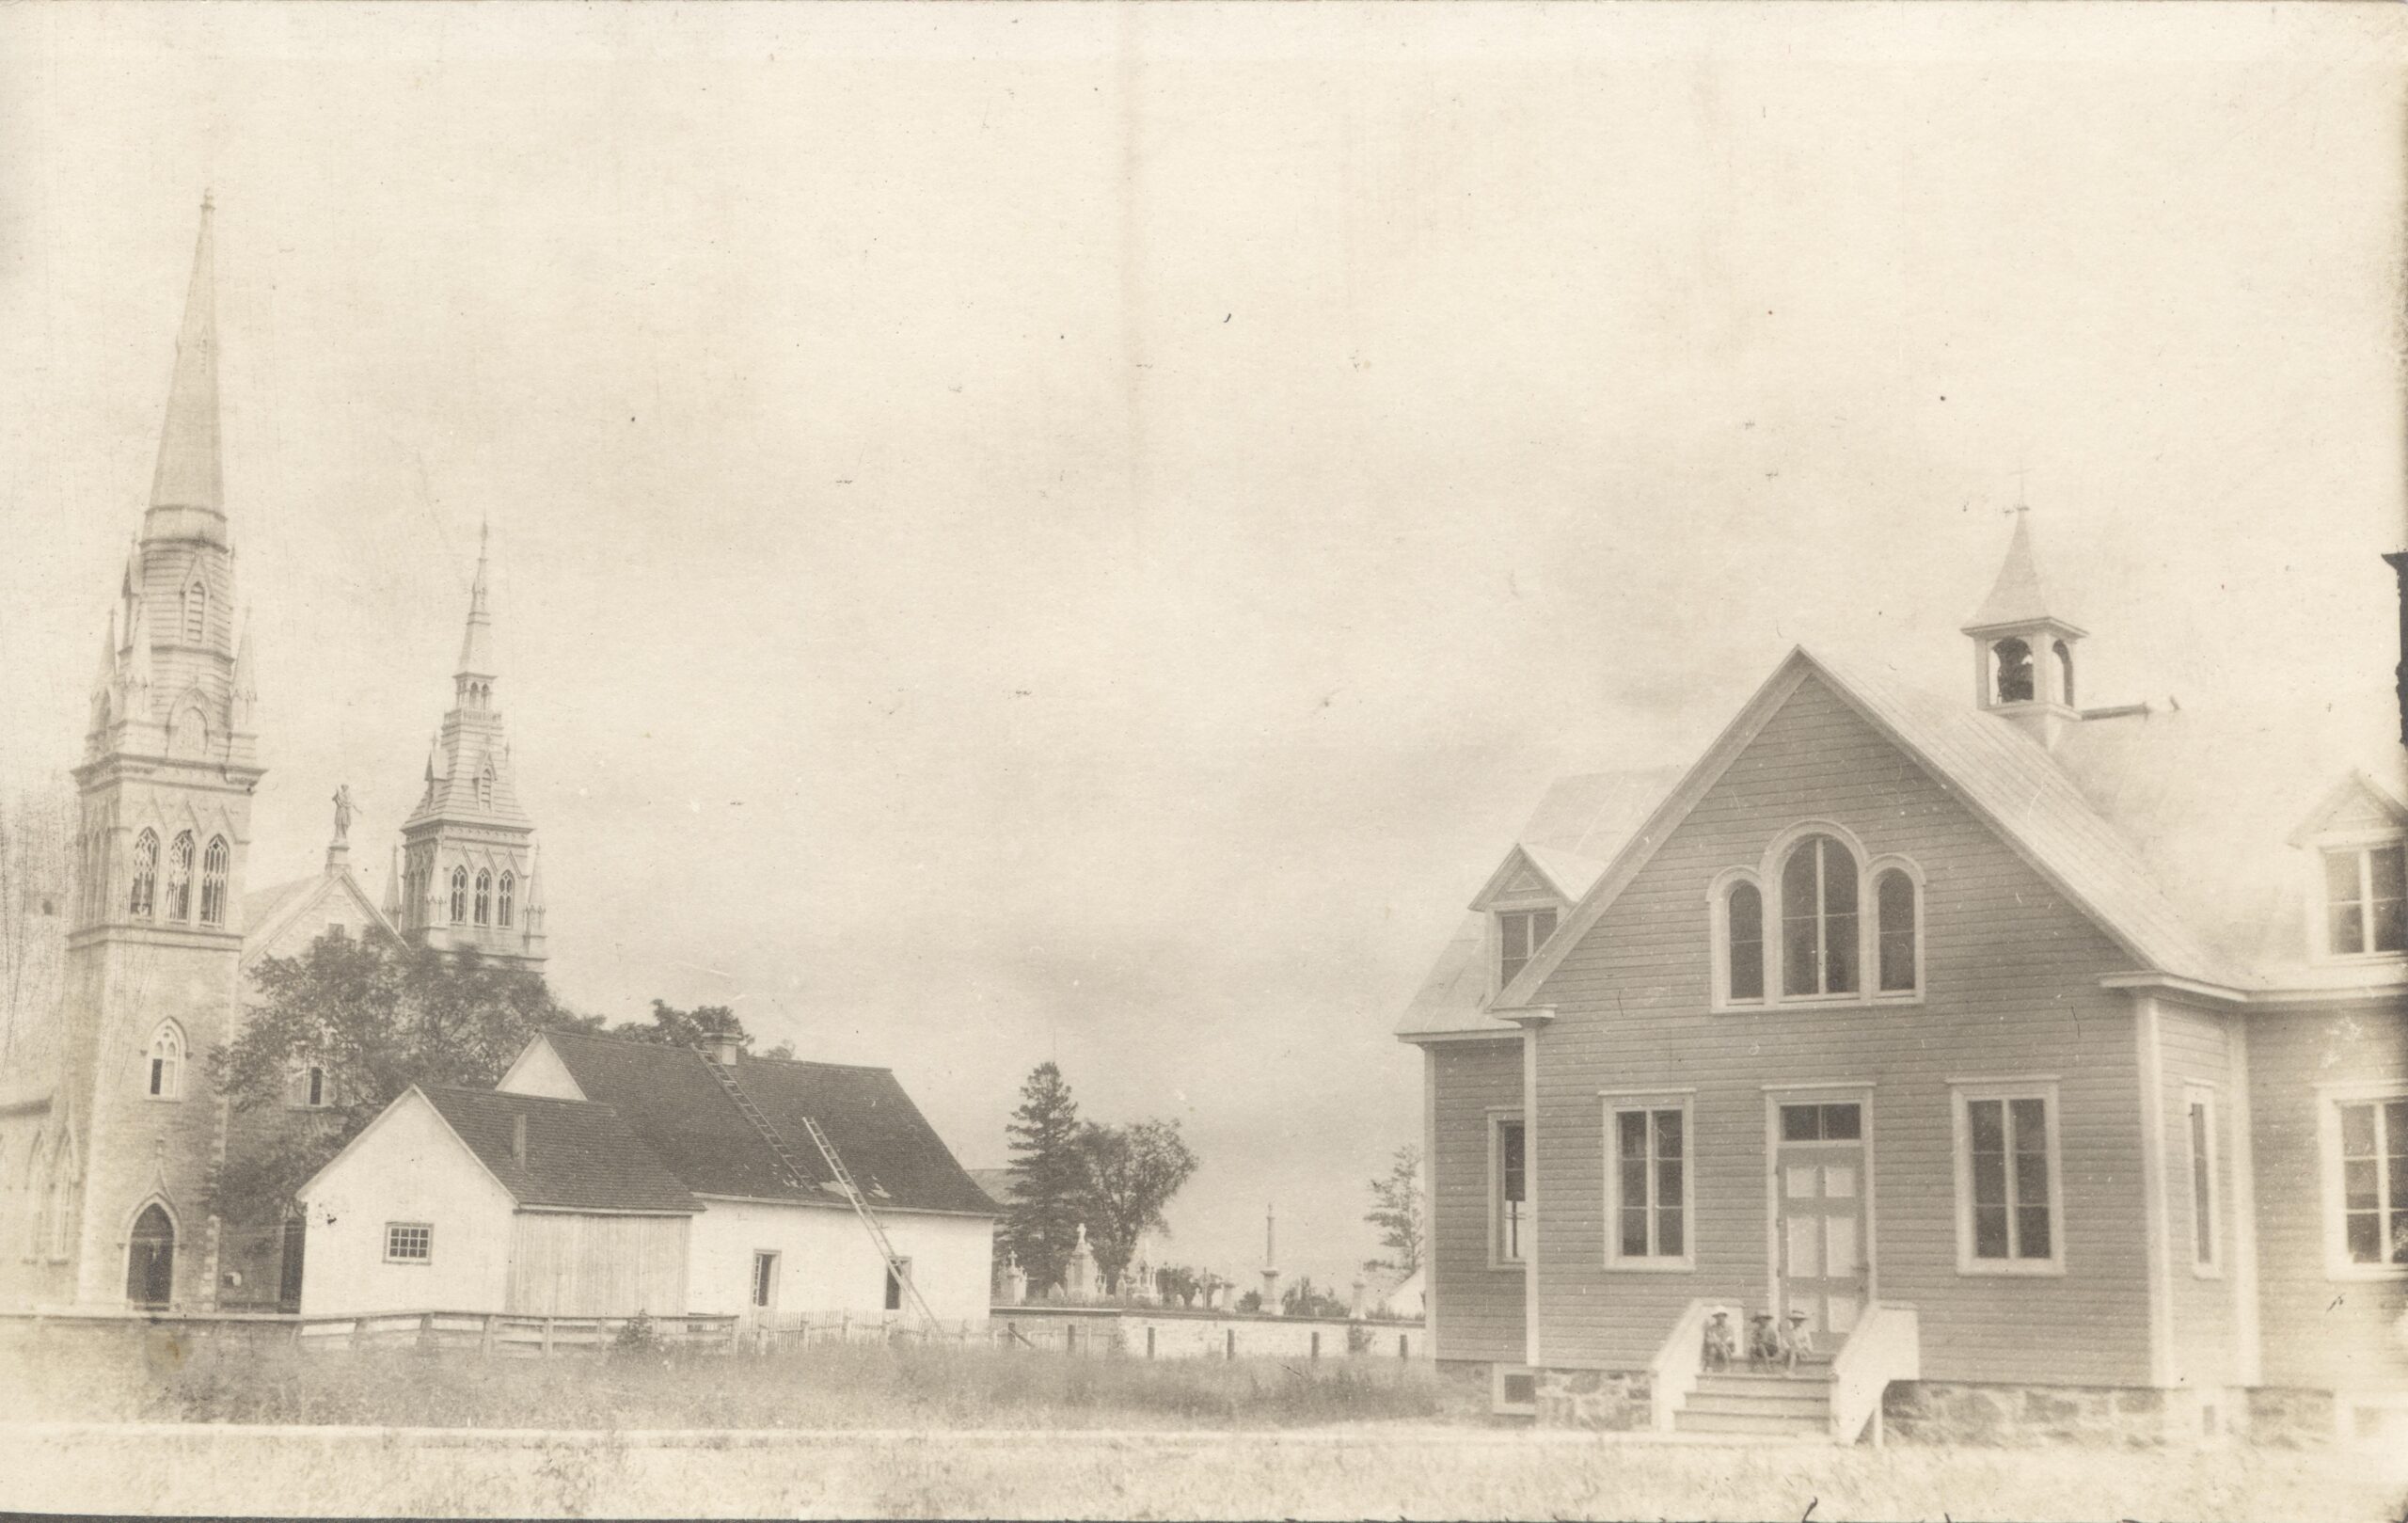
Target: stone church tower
{"type": "Point", "coordinates": [467, 873]}
{"type": "Point", "coordinates": [169, 764]}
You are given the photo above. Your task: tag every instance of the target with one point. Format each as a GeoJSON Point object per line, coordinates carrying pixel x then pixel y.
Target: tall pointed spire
{"type": "Point", "coordinates": [2018, 595]}
{"type": "Point", "coordinates": [475, 646]}
{"type": "Point", "coordinates": [188, 476]}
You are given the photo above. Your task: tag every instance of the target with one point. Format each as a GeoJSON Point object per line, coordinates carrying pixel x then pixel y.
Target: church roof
{"type": "Point", "coordinates": [671, 1099]}
{"type": "Point", "coordinates": [581, 1156]}
{"type": "Point", "coordinates": [269, 913]}
{"type": "Point", "coordinates": [2176, 831]}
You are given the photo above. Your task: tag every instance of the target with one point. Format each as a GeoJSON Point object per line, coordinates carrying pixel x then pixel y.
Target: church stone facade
{"type": "Point", "coordinates": [109, 1124]}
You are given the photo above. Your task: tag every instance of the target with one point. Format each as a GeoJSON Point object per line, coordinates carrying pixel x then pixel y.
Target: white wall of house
{"type": "Point", "coordinates": [407, 1166]}
{"type": "Point", "coordinates": [826, 1263]}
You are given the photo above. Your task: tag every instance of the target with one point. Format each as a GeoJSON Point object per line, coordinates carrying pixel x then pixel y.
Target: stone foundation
{"type": "Point", "coordinates": [1933, 1412]}
{"type": "Point", "coordinates": [2291, 1418]}
{"type": "Point", "coordinates": [1603, 1399]}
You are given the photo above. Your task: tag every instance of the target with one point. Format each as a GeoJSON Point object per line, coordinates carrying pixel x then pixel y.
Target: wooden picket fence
{"type": "Point", "coordinates": [506, 1333]}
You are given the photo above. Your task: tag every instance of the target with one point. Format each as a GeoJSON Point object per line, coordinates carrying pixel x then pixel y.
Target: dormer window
{"type": "Point", "coordinates": [2366, 899]}
{"type": "Point", "coordinates": [1524, 931]}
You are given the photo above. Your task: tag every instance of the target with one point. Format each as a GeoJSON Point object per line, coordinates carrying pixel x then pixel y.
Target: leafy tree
{"type": "Point", "coordinates": [673, 1027]}
{"type": "Point", "coordinates": [1178, 1283]}
{"type": "Point", "coordinates": [1048, 1168]}
{"type": "Point", "coordinates": [1132, 1173]}
{"type": "Point", "coordinates": [1396, 1211]}
{"type": "Point", "coordinates": [375, 1019]}
{"type": "Point", "coordinates": [1250, 1301]}
{"type": "Point", "coordinates": [1305, 1299]}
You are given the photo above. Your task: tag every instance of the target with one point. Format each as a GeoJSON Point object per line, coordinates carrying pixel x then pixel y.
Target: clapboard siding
{"type": "Point", "coordinates": [1478, 1309]}
{"type": "Point", "coordinates": [2191, 1055]}
{"type": "Point", "coordinates": [571, 1264]}
{"type": "Point", "coordinates": [2316, 1331]}
{"type": "Point", "coordinates": [2012, 974]}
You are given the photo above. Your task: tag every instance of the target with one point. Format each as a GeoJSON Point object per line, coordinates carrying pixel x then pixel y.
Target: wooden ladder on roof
{"type": "Point", "coordinates": [895, 1266]}
{"type": "Point", "coordinates": [843, 1178]}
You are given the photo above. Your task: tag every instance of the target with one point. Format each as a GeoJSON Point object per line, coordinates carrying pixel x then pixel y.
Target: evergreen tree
{"type": "Point", "coordinates": [1049, 1170]}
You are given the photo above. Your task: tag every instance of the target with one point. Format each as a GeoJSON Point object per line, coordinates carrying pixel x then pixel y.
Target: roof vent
{"type": "Point", "coordinates": [518, 1141]}
{"type": "Point", "coordinates": [722, 1049]}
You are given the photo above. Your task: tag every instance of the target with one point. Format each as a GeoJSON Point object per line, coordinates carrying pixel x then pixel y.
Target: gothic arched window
{"type": "Point", "coordinates": [1818, 918]}
{"type": "Point", "coordinates": [163, 1069]}
{"type": "Point", "coordinates": [459, 896]}
{"type": "Point", "coordinates": [196, 611]}
{"type": "Point", "coordinates": [146, 875]}
{"type": "Point", "coordinates": [213, 882]}
{"type": "Point", "coordinates": [484, 898]}
{"type": "Point", "coordinates": [2014, 671]}
{"type": "Point", "coordinates": [501, 902]}
{"type": "Point", "coordinates": [1744, 944]}
{"type": "Point", "coordinates": [485, 786]}
{"type": "Point", "coordinates": [180, 876]}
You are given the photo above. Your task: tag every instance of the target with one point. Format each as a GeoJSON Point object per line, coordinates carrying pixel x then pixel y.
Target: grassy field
{"type": "Point", "coordinates": [869, 1430]}
{"type": "Point", "coordinates": [826, 1386]}
{"type": "Point", "coordinates": [1387, 1470]}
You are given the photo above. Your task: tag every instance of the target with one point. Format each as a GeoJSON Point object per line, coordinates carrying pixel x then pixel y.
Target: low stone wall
{"type": "Point", "coordinates": [1143, 1333]}
{"type": "Point", "coordinates": [1936, 1412]}
{"type": "Point", "coordinates": [1608, 1400]}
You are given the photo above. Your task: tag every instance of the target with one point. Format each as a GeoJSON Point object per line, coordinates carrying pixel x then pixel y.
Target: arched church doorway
{"type": "Point", "coordinates": [150, 1259]}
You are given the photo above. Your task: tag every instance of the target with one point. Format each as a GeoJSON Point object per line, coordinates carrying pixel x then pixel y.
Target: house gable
{"type": "Point", "coordinates": [538, 1070]}
{"type": "Point", "coordinates": [2356, 806]}
{"type": "Point", "coordinates": [297, 914]}
{"type": "Point", "coordinates": [1519, 880]}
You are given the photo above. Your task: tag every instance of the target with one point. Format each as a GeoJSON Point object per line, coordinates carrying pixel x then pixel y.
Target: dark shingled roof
{"type": "Point", "coordinates": [581, 1156]}
{"type": "Point", "coordinates": [672, 1099]}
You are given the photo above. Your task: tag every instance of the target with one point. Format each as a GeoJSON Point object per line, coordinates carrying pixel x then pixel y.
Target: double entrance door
{"type": "Point", "coordinates": [1820, 1219]}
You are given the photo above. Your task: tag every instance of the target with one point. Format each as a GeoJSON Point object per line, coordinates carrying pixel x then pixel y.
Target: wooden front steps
{"type": "Point", "coordinates": [1776, 1403]}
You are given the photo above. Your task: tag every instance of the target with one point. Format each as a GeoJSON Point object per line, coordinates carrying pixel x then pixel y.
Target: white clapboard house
{"type": "Point", "coordinates": [603, 1176]}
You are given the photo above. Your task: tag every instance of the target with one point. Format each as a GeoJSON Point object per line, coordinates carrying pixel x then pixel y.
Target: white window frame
{"type": "Point", "coordinates": [1498, 1117]}
{"type": "Point", "coordinates": [2330, 1098]}
{"type": "Point", "coordinates": [2043, 1087]}
{"type": "Point", "coordinates": [1766, 877]}
{"type": "Point", "coordinates": [1615, 1102]}
{"type": "Point", "coordinates": [1499, 913]}
{"type": "Point", "coordinates": [2363, 844]}
{"type": "Point", "coordinates": [426, 1257]}
{"type": "Point", "coordinates": [2202, 1098]}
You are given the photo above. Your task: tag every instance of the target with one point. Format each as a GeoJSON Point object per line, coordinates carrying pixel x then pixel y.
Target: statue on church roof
{"type": "Point", "coordinates": [343, 814]}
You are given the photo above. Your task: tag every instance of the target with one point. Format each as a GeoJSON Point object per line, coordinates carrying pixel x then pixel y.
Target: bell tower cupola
{"type": "Point", "coordinates": [2024, 648]}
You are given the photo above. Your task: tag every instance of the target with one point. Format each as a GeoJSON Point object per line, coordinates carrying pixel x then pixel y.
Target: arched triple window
{"type": "Point", "coordinates": [501, 904]}
{"type": "Point", "coordinates": [459, 896]}
{"type": "Point", "coordinates": [1835, 921]}
{"type": "Point", "coordinates": [484, 898]}
{"type": "Point", "coordinates": [212, 882]}
{"type": "Point", "coordinates": [146, 875]}
{"type": "Point", "coordinates": [1818, 918]}
{"type": "Point", "coordinates": [179, 878]}
{"type": "Point", "coordinates": [163, 1066]}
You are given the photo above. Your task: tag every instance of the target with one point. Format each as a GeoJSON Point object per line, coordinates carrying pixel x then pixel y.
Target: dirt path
{"type": "Point", "coordinates": [1372, 1470]}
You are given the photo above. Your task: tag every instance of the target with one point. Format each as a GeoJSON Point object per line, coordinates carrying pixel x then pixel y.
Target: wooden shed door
{"type": "Point", "coordinates": [1818, 1168]}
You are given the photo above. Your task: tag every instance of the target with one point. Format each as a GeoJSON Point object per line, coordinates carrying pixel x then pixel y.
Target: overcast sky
{"type": "Point", "coordinates": [1080, 533]}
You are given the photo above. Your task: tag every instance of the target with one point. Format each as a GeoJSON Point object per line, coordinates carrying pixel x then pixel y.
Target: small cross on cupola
{"type": "Point", "coordinates": [2023, 649]}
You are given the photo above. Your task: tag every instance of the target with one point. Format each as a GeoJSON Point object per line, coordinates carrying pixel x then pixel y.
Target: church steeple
{"type": "Point", "coordinates": [2023, 647]}
{"type": "Point", "coordinates": [468, 854]}
{"type": "Point", "coordinates": [188, 490]}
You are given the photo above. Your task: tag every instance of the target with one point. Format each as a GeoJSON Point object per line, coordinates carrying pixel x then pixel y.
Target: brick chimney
{"type": "Point", "coordinates": [518, 1141]}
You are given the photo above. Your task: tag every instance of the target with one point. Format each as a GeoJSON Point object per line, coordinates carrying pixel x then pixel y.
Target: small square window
{"type": "Point", "coordinates": [409, 1242]}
